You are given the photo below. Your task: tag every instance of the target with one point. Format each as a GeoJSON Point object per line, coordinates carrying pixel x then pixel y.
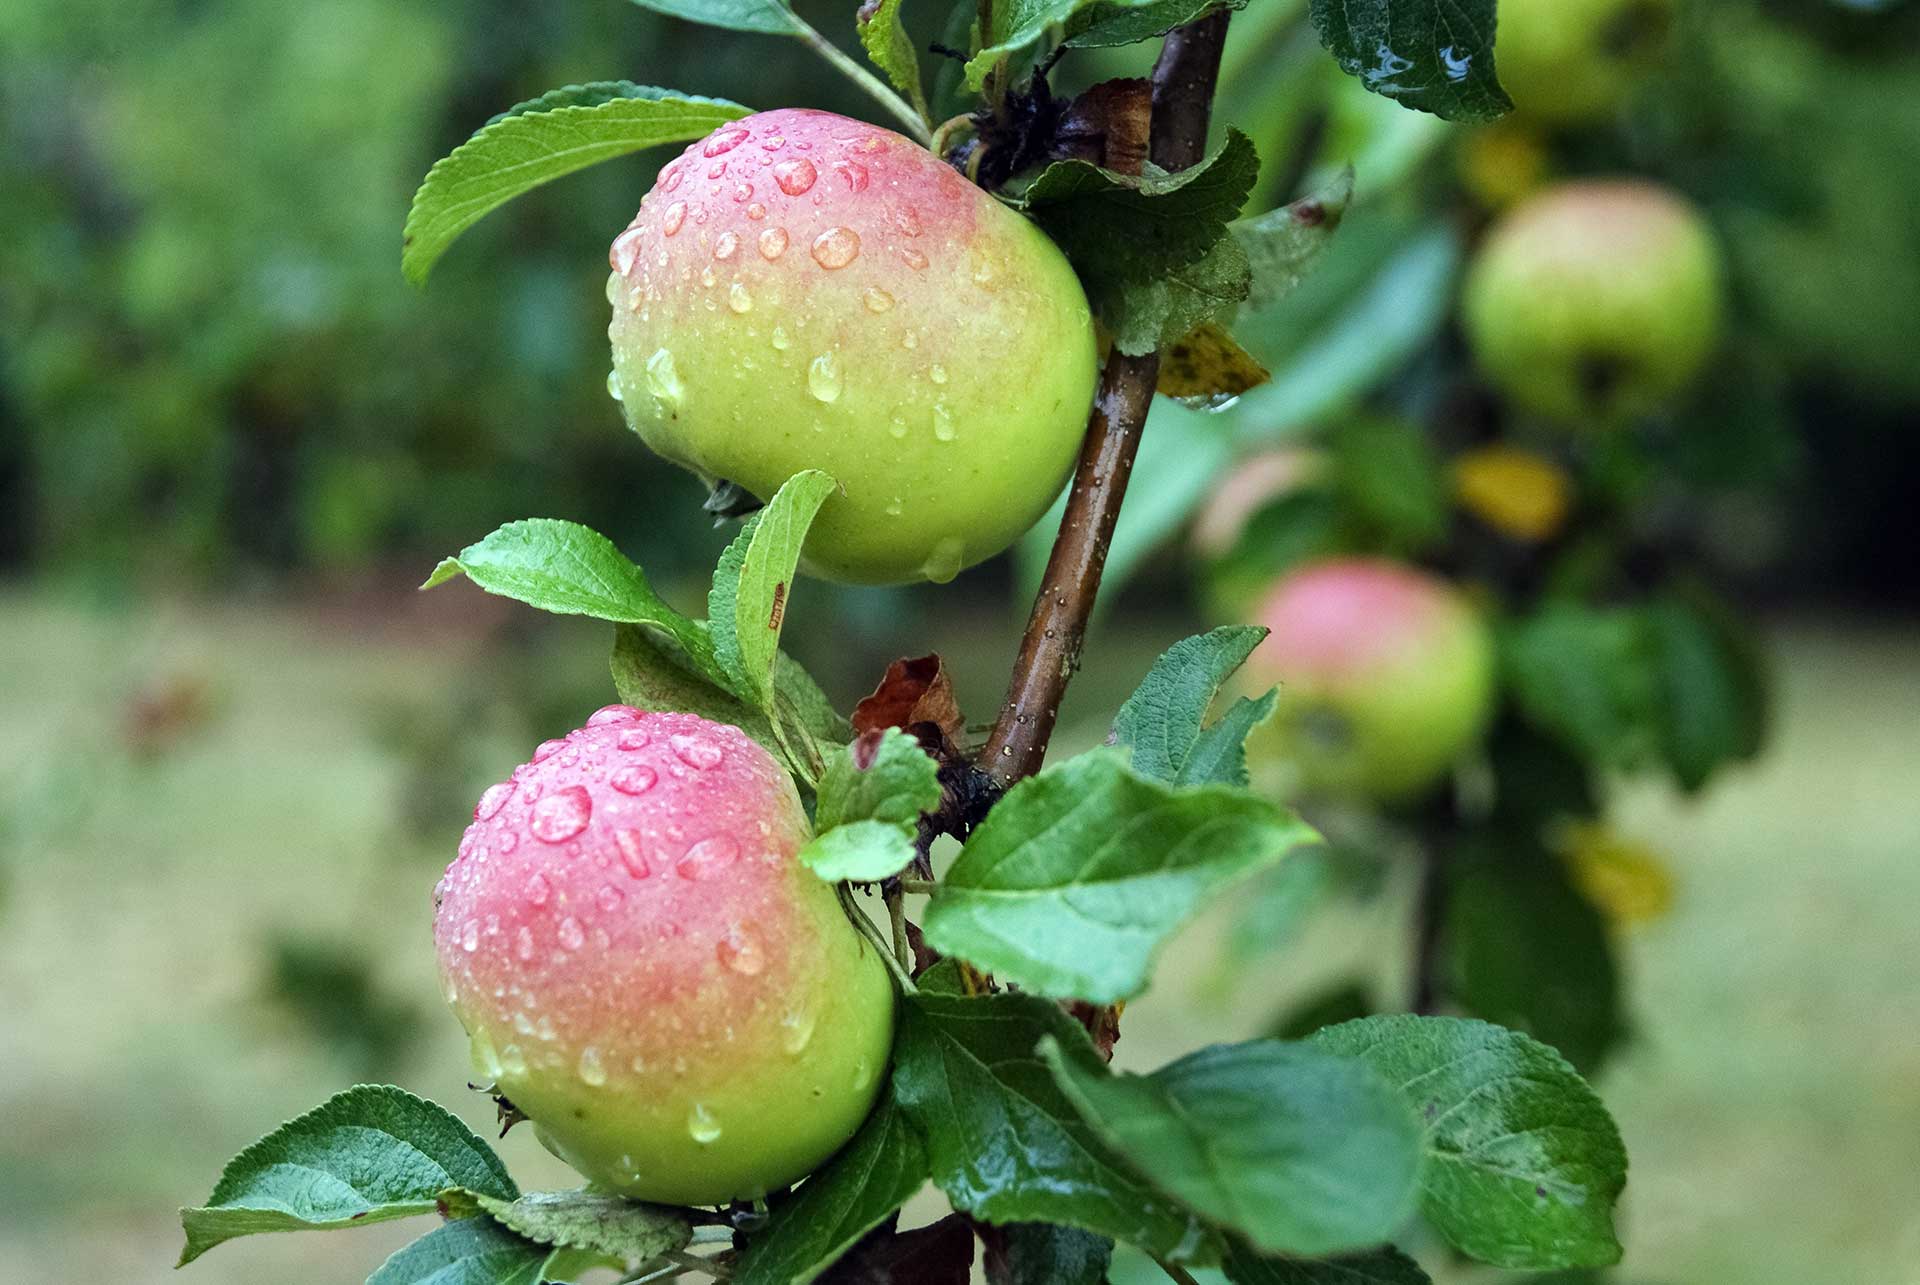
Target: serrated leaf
{"type": "Point", "coordinates": [1045, 1254]}
{"type": "Point", "coordinates": [1432, 55]}
{"type": "Point", "coordinates": [466, 1251]}
{"type": "Point", "coordinates": [1144, 314]}
{"type": "Point", "coordinates": [768, 17]}
{"type": "Point", "coordinates": [883, 777]}
{"type": "Point", "coordinates": [542, 140]}
{"type": "Point", "coordinates": [366, 1155]}
{"type": "Point", "coordinates": [1004, 1143]}
{"type": "Point", "coordinates": [1208, 367]}
{"type": "Point", "coordinates": [1377, 1267]}
{"type": "Point", "coordinates": [570, 569]}
{"type": "Point", "coordinates": [1014, 25]}
{"type": "Point", "coordinates": [1077, 876]}
{"type": "Point", "coordinates": [883, 1166]}
{"type": "Point", "coordinates": [1585, 676]}
{"type": "Point", "coordinates": [748, 603]}
{"type": "Point", "coordinates": [859, 852]}
{"type": "Point", "coordinates": [884, 36]}
{"type": "Point", "coordinates": [1712, 689]}
{"type": "Point", "coordinates": [1523, 1162]}
{"type": "Point", "coordinates": [1161, 722]}
{"type": "Point", "coordinates": [1300, 1151]}
{"type": "Point", "coordinates": [1282, 245]}
{"type": "Point", "coordinates": [591, 1220]}
{"type": "Point", "coordinates": [1104, 26]}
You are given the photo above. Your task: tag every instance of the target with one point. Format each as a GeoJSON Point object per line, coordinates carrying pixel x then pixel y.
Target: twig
{"type": "Point", "coordinates": [919, 887]}
{"type": "Point", "coordinates": [1436, 828]}
{"type": "Point", "coordinates": [866, 929]}
{"type": "Point", "coordinates": [897, 920]}
{"type": "Point", "coordinates": [1183, 83]}
{"type": "Point", "coordinates": [1176, 1272]}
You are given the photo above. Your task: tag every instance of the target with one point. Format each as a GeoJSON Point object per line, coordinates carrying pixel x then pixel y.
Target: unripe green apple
{"type": "Point", "coordinates": [1595, 301]}
{"type": "Point", "coordinates": [646, 970]}
{"type": "Point", "coordinates": [1385, 677]}
{"type": "Point", "coordinates": [1572, 62]}
{"type": "Point", "coordinates": [804, 291]}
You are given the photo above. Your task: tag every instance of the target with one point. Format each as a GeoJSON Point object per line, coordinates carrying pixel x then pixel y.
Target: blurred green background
{"type": "Point", "coordinates": [235, 748]}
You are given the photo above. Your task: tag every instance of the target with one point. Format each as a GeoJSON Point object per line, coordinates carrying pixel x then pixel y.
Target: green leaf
{"type": "Point", "coordinates": [1585, 676]}
{"type": "Point", "coordinates": [1527, 950]}
{"type": "Point", "coordinates": [1283, 245]}
{"type": "Point", "coordinates": [859, 852]}
{"type": "Point", "coordinates": [570, 569]}
{"type": "Point", "coordinates": [1390, 482]}
{"type": "Point", "coordinates": [1523, 1162]}
{"type": "Point", "coordinates": [363, 1156]}
{"type": "Point", "coordinates": [873, 1175]}
{"type": "Point", "coordinates": [1104, 26]}
{"type": "Point", "coordinates": [1432, 55]}
{"type": "Point", "coordinates": [1342, 1002]}
{"type": "Point", "coordinates": [1162, 721]}
{"type": "Point", "coordinates": [1004, 1142]}
{"type": "Point", "coordinates": [1078, 874]}
{"type": "Point", "coordinates": [1046, 1254]}
{"type": "Point", "coordinates": [769, 17]}
{"type": "Point", "coordinates": [1378, 1267]}
{"type": "Point", "coordinates": [1142, 315]}
{"type": "Point", "coordinates": [748, 603]}
{"type": "Point", "coordinates": [884, 36]}
{"type": "Point", "coordinates": [885, 777]}
{"type": "Point", "coordinates": [592, 1220]}
{"type": "Point", "coordinates": [653, 672]}
{"type": "Point", "coordinates": [1015, 25]}
{"type": "Point", "coordinates": [542, 140]}
{"type": "Point", "coordinates": [1712, 689]}
{"type": "Point", "coordinates": [466, 1251]}
{"type": "Point", "coordinates": [1301, 1151]}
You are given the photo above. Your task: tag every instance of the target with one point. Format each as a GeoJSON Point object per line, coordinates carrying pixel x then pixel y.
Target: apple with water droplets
{"type": "Point", "coordinates": [804, 291]}
{"type": "Point", "coordinates": [1595, 301]}
{"type": "Point", "coordinates": [646, 970]}
{"type": "Point", "coordinates": [1386, 678]}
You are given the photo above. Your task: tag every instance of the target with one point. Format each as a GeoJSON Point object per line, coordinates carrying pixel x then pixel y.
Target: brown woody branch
{"type": "Point", "coordinates": [1183, 84]}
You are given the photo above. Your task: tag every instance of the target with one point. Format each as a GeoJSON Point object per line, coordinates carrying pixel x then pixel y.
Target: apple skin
{"type": "Point", "coordinates": [646, 970]}
{"type": "Point", "coordinates": [1573, 62]}
{"type": "Point", "coordinates": [801, 290]}
{"type": "Point", "coordinates": [1386, 678]}
{"type": "Point", "coordinates": [1595, 301]}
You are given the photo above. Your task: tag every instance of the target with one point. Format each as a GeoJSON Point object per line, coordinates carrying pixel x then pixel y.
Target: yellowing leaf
{"type": "Point", "coordinates": [1629, 881]}
{"type": "Point", "coordinates": [1519, 493]}
{"type": "Point", "coordinates": [1206, 364]}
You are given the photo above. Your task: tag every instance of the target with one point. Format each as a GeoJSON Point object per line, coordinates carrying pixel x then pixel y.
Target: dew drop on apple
{"type": "Point", "coordinates": [562, 814]}
{"type": "Point", "coordinates": [608, 715]}
{"type": "Point", "coordinates": [593, 1071]}
{"type": "Point", "coordinates": [633, 738]}
{"type": "Point", "coordinates": [697, 752]}
{"type": "Point", "coordinates": [796, 1032]}
{"type": "Point", "coordinates": [724, 141]}
{"type": "Point", "coordinates": [738, 299]}
{"type": "Point", "coordinates": [633, 854]}
{"type": "Point", "coordinates": [572, 937]}
{"type": "Point", "coordinates": [523, 943]}
{"type": "Point", "coordinates": [626, 248]}
{"type": "Point", "coordinates": [943, 424]}
{"type": "Point", "coordinates": [609, 899]}
{"type": "Point", "coordinates": [675, 216]}
{"type": "Point", "coordinates": [779, 338]}
{"type": "Point", "coordinates": [740, 951]}
{"type": "Point", "coordinates": [547, 749]}
{"type": "Point", "coordinates": [877, 300]}
{"type": "Point", "coordinates": [795, 177]}
{"type": "Point", "coordinates": [862, 1075]}
{"type": "Point", "coordinates": [702, 1127]}
{"type": "Point", "coordinates": [538, 890]}
{"type": "Point", "coordinates": [836, 248]}
{"type": "Point", "coordinates": [635, 778]}
{"type": "Point", "coordinates": [943, 562]}
{"type": "Point", "coordinates": [486, 1062]}
{"type": "Point", "coordinates": [708, 857]}
{"type": "Point", "coordinates": [513, 1061]}
{"type": "Point", "coordinates": [470, 936]}
{"type": "Point", "coordinates": [614, 287]}
{"type": "Point", "coordinates": [613, 385]}
{"type": "Point", "coordinates": [823, 378]}
{"type": "Point", "coordinates": [492, 801]}
{"type": "Point", "coordinates": [663, 378]}
{"type": "Point", "coordinates": [725, 246]}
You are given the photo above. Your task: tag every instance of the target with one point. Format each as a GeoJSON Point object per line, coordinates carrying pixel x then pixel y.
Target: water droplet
{"type": "Point", "coordinates": [614, 286]}
{"type": "Point", "coordinates": [470, 936]}
{"type": "Point", "coordinates": [937, 373]}
{"type": "Point", "coordinates": [823, 377]}
{"type": "Point", "coordinates": [538, 890]}
{"type": "Point", "coordinates": [855, 175]}
{"type": "Point", "coordinates": [486, 1063]}
{"type": "Point", "coordinates": [756, 211]}
{"type": "Point", "coordinates": [794, 177]}
{"type": "Point", "coordinates": [701, 1126]}
{"type": "Point", "coordinates": [907, 220]}
{"type": "Point", "coordinates": [607, 715]}
{"type": "Point", "coordinates": [943, 562]}
{"type": "Point", "coordinates": [707, 278]}
{"type": "Point", "coordinates": [634, 738]}
{"type": "Point", "coordinates": [982, 272]}
{"type": "Point", "coordinates": [613, 385]}
{"type": "Point", "coordinates": [547, 749]}
{"type": "Point", "coordinates": [878, 300]}
{"type": "Point", "coordinates": [707, 858]}
{"type": "Point", "coordinates": [675, 216]}
{"type": "Point", "coordinates": [697, 751]}
{"type": "Point", "coordinates": [492, 801]}
{"type": "Point", "coordinates": [513, 1061]}
{"type": "Point", "coordinates": [593, 1071]}
{"type": "Point", "coordinates": [571, 935]}
{"type": "Point", "coordinates": [779, 338]}
{"type": "Point", "coordinates": [740, 951]}
{"type": "Point", "coordinates": [663, 380]}
{"type": "Point", "coordinates": [942, 424]}
{"type": "Point", "coordinates": [774, 142]}
{"type": "Point", "coordinates": [562, 814]}
{"type": "Point", "coordinates": [742, 192]}
{"type": "Point", "coordinates": [670, 179]}
{"type": "Point", "coordinates": [913, 258]}
{"type": "Point", "coordinates": [725, 245]}
{"type": "Point", "coordinates": [609, 899]}
{"type": "Point", "coordinates": [523, 943]}
{"type": "Point", "coordinates": [895, 507]}
{"type": "Point", "coordinates": [508, 842]}
{"type": "Point", "coordinates": [862, 1075]}
{"type": "Point", "coordinates": [836, 248]}
{"type": "Point", "coordinates": [725, 141]}
{"type": "Point", "coordinates": [738, 299]}
{"type": "Point", "coordinates": [898, 428]}
{"type": "Point", "coordinates": [632, 853]}
{"type": "Point", "coordinates": [796, 1032]}
{"type": "Point", "coordinates": [625, 249]}
{"type": "Point", "coordinates": [773, 243]}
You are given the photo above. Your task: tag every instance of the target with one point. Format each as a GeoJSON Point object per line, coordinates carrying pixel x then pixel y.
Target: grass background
{"type": "Point", "coordinates": [316, 785]}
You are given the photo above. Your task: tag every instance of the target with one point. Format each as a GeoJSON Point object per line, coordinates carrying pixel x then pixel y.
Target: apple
{"type": "Point", "coordinates": [1595, 301]}
{"type": "Point", "coordinates": [1573, 62]}
{"type": "Point", "coordinates": [1386, 678]}
{"type": "Point", "coordinates": [647, 972]}
{"type": "Point", "coordinates": [804, 291]}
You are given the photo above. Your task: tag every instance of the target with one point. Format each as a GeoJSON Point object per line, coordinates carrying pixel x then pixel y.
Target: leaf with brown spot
{"type": "Point", "coordinates": [1207, 364]}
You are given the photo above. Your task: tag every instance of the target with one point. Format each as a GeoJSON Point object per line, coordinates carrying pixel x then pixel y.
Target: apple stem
{"type": "Point", "coordinates": [1184, 78]}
